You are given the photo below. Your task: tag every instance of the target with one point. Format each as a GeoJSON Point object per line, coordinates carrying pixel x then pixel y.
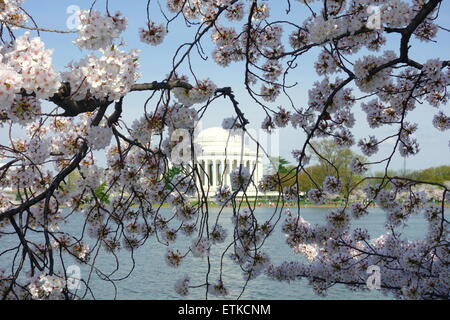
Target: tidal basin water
{"type": "Point", "coordinates": [153, 279]}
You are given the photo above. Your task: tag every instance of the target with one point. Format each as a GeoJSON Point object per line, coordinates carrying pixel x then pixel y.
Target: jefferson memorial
{"type": "Point", "coordinates": [223, 151]}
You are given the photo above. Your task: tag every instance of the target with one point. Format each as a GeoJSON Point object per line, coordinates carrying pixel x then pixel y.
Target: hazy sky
{"type": "Point", "coordinates": [156, 61]}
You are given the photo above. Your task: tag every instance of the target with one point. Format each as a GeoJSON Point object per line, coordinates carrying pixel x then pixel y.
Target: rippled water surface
{"type": "Point", "coordinates": [153, 279]}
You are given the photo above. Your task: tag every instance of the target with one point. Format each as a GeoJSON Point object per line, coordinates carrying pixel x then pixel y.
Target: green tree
{"type": "Point", "coordinates": [333, 159]}
{"type": "Point", "coordinates": [172, 172]}
{"type": "Point", "coordinates": [281, 165]}
{"type": "Point", "coordinates": [439, 174]}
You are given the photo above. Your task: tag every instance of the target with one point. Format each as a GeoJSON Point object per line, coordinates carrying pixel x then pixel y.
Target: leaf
{"type": "Point", "coordinates": [172, 172]}
{"type": "Point", "coordinates": [101, 194]}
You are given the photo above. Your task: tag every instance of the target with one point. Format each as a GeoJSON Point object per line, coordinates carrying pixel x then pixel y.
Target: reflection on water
{"type": "Point", "coordinates": [153, 279]}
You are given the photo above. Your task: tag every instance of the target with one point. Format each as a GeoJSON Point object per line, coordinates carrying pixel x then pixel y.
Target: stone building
{"type": "Point", "coordinates": [224, 151]}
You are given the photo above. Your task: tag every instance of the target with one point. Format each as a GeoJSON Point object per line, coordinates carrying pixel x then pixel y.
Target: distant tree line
{"type": "Point", "coordinates": [440, 174]}
{"type": "Point", "coordinates": [334, 161]}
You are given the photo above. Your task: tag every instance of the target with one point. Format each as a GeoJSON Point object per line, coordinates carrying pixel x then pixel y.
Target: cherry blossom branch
{"type": "Point", "coordinates": [36, 28]}
{"type": "Point", "coordinates": [227, 92]}
{"type": "Point", "coordinates": [164, 85]}
{"type": "Point", "coordinates": [59, 178]}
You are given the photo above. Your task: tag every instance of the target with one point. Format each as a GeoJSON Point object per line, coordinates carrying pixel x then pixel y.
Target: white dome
{"type": "Point", "coordinates": [217, 134]}
{"type": "Point", "coordinates": [218, 141]}
{"type": "Point", "coordinates": [221, 152]}
{"type": "Point", "coordinates": [217, 131]}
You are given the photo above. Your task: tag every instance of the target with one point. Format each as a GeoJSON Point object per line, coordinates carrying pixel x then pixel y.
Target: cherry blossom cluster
{"type": "Point", "coordinates": [368, 82]}
{"type": "Point", "coordinates": [24, 110]}
{"type": "Point", "coordinates": [200, 247]}
{"type": "Point", "coordinates": [370, 146]}
{"type": "Point", "coordinates": [322, 30]}
{"type": "Point", "coordinates": [27, 65]}
{"type": "Point", "coordinates": [230, 123]}
{"type": "Point", "coordinates": [240, 178]}
{"type": "Point", "coordinates": [223, 195]}
{"type": "Point", "coordinates": [10, 12]}
{"type": "Point", "coordinates": [144, 128]}
{"type": "Point", "coordinates": [218, 289]}
{"type": "Point", "coordinates": [108, 77]}
{"type": "Point", "coordinates": [98, 137]}
{"type": "Point", "coordinates": [154, 34]}
{"type": "Point", "coordinates": [174, 258]}
{"type": "Point", "coordinates": [46, 287]}
{"type": "Point", "coordinates": [218, 234]}
{"type": "Point", "coordinates": [439, 79]}
{"type": "Point", "coordinates": [205, 10]}
{"type": "Point", "coordinates": [396, 13]}
{"type": "Point", "coordinates": [349, 257]}
{"type": "Point", "coordinates": [441, 121]}
{"type": "Point", "coordinates": [269, 182]}
{"type": "Point", "coordinates": [198, 94]}
{"type": "Point", "coordinates": [180, 117]}
{"type": "Point", "coordinates": [357, 166]}
{"type": "Point", "coordinates": [332, 185]}
{"type": "Point", "coordinates": [97, 31]}
{"type": "Point", "coordinates": [317, 196]}
{"type": "Point", "coordinates": [290, 193]}
{"type": "Point", "coordinates": [182, 286]}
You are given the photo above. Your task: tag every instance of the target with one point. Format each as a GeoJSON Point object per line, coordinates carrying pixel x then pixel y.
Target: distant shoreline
{"type": "Point", "coordinates": [267, 204]}
{"type": "Point", "coordinates": [302, 205]}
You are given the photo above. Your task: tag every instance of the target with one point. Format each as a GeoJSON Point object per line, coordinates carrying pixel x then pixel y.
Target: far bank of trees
{"type": "Point", "coordinates": [439, 174]}
{"type": "Point", "coordinates": [335, 161]}
{"type": "Point", "coordinates": [332, 161]}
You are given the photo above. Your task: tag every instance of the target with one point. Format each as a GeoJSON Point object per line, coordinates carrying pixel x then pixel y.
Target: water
{"type": "Point", "coordinates": [153, 279]}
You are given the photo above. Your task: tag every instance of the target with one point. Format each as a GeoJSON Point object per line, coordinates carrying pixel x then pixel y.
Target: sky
{"type": "Point", "coordinates": [156, 62]}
